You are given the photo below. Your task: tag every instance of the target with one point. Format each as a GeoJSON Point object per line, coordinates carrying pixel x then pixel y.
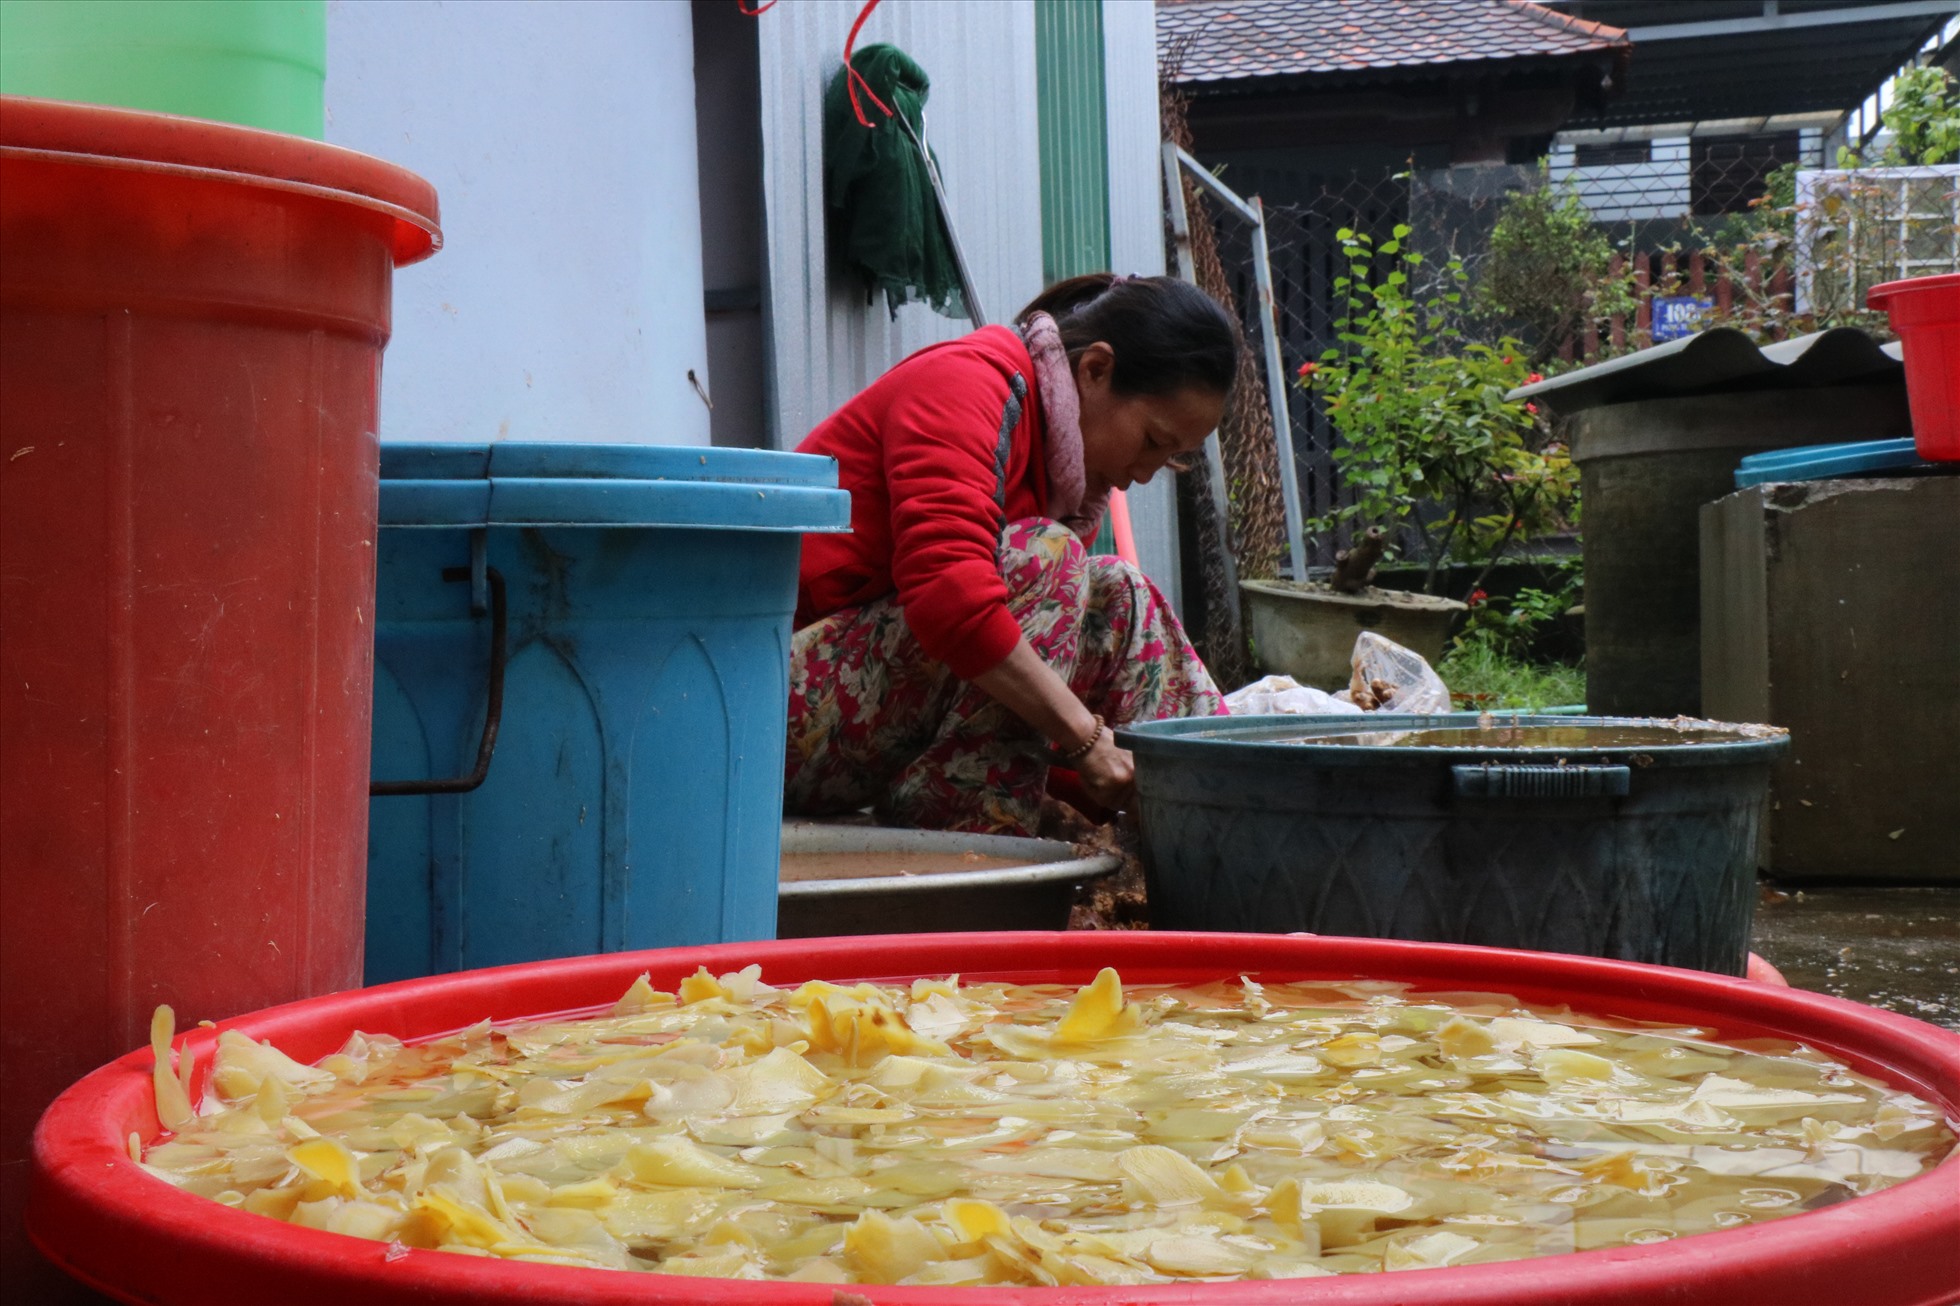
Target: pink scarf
{"type": "Point", "coordinates": [1069, 500]}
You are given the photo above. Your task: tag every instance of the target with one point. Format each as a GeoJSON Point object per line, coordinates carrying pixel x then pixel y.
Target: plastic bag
{"type": "Point", "coordinates": [1286, 696]}
{"type": "Point", "coordinates": [1390, 678]}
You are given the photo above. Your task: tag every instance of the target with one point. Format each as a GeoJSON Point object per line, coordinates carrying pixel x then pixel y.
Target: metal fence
{"type": "Point", "coordinates": [1681, 235]}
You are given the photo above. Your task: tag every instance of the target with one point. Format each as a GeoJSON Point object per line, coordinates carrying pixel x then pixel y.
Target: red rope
{"type": "Point", "coordinates": [853, 80]}
{"type": "Point", "coordinates": [758, 10]}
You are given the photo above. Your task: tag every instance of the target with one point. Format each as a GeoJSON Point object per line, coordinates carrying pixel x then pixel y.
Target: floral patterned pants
{"type": "Point", "coordinates": [874, 721]}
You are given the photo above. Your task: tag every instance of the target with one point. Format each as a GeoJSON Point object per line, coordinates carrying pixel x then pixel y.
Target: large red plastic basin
{"type": "Point", "coordinates": [1925, 311]}
{"type": "Point", "coordinates": [192, 316]}
{"type": "Point", "coordinates": [95, 1212]}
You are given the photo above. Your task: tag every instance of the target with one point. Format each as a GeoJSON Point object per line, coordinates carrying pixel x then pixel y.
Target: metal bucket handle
{"type": "Point", "coordinates": [481, 576]}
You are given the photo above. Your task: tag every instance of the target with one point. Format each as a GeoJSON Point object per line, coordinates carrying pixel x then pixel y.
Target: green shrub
{"type": "Point", "coordinates": [1428, 441]}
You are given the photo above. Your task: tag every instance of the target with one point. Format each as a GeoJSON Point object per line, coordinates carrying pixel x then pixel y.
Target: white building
{"type": "Point", "coordinates": [633, 208]}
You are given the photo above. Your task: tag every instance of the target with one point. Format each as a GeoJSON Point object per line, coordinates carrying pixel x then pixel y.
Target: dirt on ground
{"type": "Point", "coordinates": [1112, 902]}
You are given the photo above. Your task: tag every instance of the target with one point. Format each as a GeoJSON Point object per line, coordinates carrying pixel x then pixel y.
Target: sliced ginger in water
{"type": "Point", "coordinates": [948, 1133]}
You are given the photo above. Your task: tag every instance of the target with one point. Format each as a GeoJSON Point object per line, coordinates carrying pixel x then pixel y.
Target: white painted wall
{"type": "Point", "coordinates": [1630, 191]}
{"type": "Point", "coordinates": [566, 303]}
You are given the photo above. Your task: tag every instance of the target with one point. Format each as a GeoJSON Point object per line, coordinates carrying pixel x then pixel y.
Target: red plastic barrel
{"type": "Point", "coordinates": [1925, 311]}
{"type": "Point", "coordinates": [97, 1213]}
{"type": "Point", "coordinates": [192, 317]}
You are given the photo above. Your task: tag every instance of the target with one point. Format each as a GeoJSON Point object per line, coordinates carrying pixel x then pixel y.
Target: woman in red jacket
{"type": "Point", "coordinates": [960, 640]}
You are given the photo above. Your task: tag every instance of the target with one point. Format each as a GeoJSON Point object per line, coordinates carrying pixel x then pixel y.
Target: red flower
{"type": "Point", "coordinates": [1534, 378]}
{"type": "Point", "coordinates": [1507, 360]}
{"type": "Point", "coordinates": [1476, 597]}
{"type": "Point", "coordinates": [1532, 409]}
{"type": "Point", "coordinates": [1307, 370]}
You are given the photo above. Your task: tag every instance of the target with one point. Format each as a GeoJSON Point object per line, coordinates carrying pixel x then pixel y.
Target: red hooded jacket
{"type": "Point", "coordinates": [938, 454]}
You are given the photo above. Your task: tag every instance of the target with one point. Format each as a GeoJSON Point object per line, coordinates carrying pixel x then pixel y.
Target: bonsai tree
{"type": "Point", "coordinates": [1429, 447]}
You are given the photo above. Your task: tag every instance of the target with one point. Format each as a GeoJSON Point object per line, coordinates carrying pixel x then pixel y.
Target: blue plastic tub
{"type": "Point", "coordinates": [633, 792]}
{"type": "Point", "coordinates": [1816, 462]}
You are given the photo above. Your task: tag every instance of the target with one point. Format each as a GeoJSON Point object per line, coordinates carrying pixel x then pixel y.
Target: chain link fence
{"type": "Point", "coordinates": [1592, 252]}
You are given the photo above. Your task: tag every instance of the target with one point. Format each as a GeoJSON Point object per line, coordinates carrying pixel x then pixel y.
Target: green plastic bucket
{"type": "Point", "coordinates": [259, 63]}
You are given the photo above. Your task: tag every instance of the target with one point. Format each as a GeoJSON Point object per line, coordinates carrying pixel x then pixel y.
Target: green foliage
{"type": "Point", "coordinates": [1550, 267]}
{"type": "Point", "coordinates": [1512, 685]}
{"type": "Point", "coordinates": [1924, 118]}
{"type": "Point", "coordinates": [1427, 438]}
{"type": "Point", "coordinates": [1849, 233]}
{"type": "Point", "coordinates": [1508, 627]}
{"type": "Point", "coordinates": [1858, 227]}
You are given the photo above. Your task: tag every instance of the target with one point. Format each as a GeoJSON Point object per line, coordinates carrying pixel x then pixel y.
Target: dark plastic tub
{"type": "Point", "coordinates": [1637, 850]}
{"type": "Point", "coordinates": [141, 1240]}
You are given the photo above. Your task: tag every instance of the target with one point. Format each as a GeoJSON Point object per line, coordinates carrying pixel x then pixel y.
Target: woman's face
{"type": "Point", "coordinates": [1127, 439]}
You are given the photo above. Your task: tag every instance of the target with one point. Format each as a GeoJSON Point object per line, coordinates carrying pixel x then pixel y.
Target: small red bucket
{"type": "Point", "coordinates": [1925, 311]}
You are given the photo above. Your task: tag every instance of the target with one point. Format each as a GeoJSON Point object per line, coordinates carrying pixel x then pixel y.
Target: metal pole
{"type": "Point", "coordinates": [1219, 190]}
{"type": "Point", "coordinates": [974, 313]}
{"type": "Point", "coordinates": [1180, 220]}
{"type": "Point", "coordinates": [1214, 455]}
{"type": "Point", "coordinates": [1289, 478]}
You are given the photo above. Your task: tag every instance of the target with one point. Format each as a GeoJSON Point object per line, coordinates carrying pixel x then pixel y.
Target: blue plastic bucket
{"type": "Point", "coordinates": [633, 793]}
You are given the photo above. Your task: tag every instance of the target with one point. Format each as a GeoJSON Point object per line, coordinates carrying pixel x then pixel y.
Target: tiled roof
{"type": "Point", "coordinates": [1224, 40]}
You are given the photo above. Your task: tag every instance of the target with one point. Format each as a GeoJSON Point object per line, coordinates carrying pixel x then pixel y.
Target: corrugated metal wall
{"type": "Point", "coordinates": [1136, 232]}
{"type": "Point", "coordinates": [826, 343]}
{"type": "Point", "coordinates": [1074, 147]}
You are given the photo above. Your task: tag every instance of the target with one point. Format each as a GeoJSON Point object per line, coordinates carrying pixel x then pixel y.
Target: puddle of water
{"type": "Point", "coordinates": [1893, 948]}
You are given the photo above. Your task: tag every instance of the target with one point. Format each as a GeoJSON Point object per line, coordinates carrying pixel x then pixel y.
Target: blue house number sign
{"type": "Point", "coordinates": [1676, 316]}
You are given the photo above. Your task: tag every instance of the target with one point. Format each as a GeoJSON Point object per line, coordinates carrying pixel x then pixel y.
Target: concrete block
{"type": "Point", "coordinates": [1833, 608]}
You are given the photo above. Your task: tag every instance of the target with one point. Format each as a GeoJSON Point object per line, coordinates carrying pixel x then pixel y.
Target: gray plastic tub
{"type": "Point", "coordinates": [1642, 849]}
{"type": "Point", "coordinates": [1034, 893]}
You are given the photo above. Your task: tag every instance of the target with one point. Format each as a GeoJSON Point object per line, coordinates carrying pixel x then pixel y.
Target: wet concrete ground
{"type": "Point", "coordinates": [1893, 948]}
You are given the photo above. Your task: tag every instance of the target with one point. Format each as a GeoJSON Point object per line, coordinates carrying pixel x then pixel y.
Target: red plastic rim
{"type": "Point", "coordinates": [1896, 291]}
{"type": "Point", "coordinates": [129, 138]}
{"type": "Point", "coordinates": [99, 1215]}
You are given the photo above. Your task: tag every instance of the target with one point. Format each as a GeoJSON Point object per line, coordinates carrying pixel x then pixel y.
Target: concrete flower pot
{"type": "Point", "coordinates": [1306, 630]}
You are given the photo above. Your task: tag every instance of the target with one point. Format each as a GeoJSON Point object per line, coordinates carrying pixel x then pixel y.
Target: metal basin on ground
{"type": "Point", "coordinates": [861, 879]}
{"type": "Point", "coordinates": [101, 1216]}
{"type": "Point", "coordinates": [1623, 838]}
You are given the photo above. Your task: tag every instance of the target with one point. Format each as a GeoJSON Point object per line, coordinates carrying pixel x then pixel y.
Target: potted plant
{"type": "Point", "coordinates": [1438, 463]}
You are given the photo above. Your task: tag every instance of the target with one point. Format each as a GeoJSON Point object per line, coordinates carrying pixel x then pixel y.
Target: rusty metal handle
{"type": "Point", "coordinates": [493, 715]}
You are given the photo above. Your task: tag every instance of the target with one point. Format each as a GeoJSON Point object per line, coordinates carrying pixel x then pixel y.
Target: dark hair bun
{"type": "Point", "coordinates": [1167, 334]}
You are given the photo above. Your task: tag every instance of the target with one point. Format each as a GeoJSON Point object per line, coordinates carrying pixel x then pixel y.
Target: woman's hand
{"type": "Point", "coordinates": [1108, 773]}
{"type": "Point", "coordinates": [1029, 687]}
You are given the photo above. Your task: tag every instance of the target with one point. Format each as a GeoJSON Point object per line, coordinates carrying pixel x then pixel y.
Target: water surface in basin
{"type": "Point", "coordinates": [944, 1133]}
{"type": "Point", "coordinates": [799, 868]}
{"type": "Point", "coordinates": [1551, 738]}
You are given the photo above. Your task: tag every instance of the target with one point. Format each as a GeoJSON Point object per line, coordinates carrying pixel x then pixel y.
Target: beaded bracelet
{"type": "Point", "coordinates": [1081, 750]}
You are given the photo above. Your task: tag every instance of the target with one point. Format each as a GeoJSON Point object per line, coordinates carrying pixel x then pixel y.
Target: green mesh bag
{"type": "Point", "coordinates": [883, 221]}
